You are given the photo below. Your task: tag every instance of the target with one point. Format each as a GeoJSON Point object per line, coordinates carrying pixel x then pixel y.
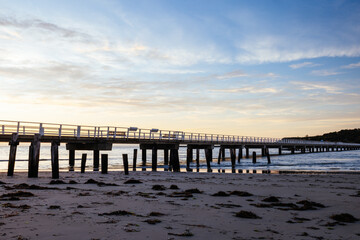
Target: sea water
{"type": "Point", "coordinates": [322, 161]}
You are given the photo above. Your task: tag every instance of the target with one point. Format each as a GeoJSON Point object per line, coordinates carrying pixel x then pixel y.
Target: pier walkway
{"type": "Point", "coordinates": [102, 138]}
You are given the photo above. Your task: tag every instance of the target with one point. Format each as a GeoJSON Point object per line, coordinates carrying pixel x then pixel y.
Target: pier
{"type": "Point", "coordinates": [100, 139]}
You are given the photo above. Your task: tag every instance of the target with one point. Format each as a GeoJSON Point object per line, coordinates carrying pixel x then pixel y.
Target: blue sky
{"type": "Point", "coordinates": [260, 68]}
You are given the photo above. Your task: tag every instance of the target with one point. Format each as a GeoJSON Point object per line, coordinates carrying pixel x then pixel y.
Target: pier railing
{"type": "Point", "coordinates": [132, 133]}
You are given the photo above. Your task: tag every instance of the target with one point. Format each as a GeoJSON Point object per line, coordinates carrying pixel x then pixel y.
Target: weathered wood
{"type": "Point", "coordinates": [103, 146]}
{"type": "Point", "coordinates": [219, 156]}
{"type": "Point", "coordinates": [34, 156]}
{"type": "Point", "coordinates": [247, 152]}
{"type": "Point", "coordinates": [96, 160]}
{"type": "Point", "coordinates": [268, 156]}
{"type": "Point", "coordinates": [83, 162]}
{"type": "Point", "coordinates": [197, 157]}
{"type": "Point", "coordinates": [280, 150]}
{"type": "Point", "coordinates": [71, 160]}
{"type": "Point", "coordinates": [174, 160]}
{"type": "Point", "coordinates": [154, 158]}
{"type": "Point", "coordinates": [55, 159]}
{"type": "Point", "coordinates": [166, 157]}
{"type": "Point", "coordinates": [143, 157]}
{"type": "Point", "coordinates": [233, 157]}
{"type": "Point", "coordinates": [223, 154]}
{"type": "Point", "coordinates": [12, 155]}
{"type": "Point", "coordinates": [208, 156]}
{"type": "Point", "coordinates": [240, 154]}
{"type": "Point", "coordinates": [189, 157]}
{"type": "Point", "coordinates": [134, 160]}
{"type": "Point", "coordinates": [159, 146]}
{"type": "Point", "coordinates": [126, 164]}
{"type": "Point", "coordinates": [263, 151]}
{"type": "Point", "coordinates": [104, 163]}
{"type": "Point", "coordinates": [254, 157]}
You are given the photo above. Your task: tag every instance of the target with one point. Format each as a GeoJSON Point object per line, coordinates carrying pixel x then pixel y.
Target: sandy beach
{"type": "Point", "coordinates": [165, 205]}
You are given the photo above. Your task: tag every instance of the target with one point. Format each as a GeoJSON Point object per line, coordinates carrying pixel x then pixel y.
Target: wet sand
{"type": "Point", "coordinates": [165, 205]}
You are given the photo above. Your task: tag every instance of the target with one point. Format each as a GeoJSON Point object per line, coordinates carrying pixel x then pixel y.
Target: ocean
{"type": "Point", "coordinates": [324, 161]}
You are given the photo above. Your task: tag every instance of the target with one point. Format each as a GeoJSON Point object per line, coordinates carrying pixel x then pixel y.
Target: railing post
{"type": "Point", "coordinates": [78, 132]}
{"type": "Point", "coordinates": [107, 134]}
{"type": "Point", "coordinates": [18, 127]}
{"type": "Point", "coordinates": [24, 130]}
{"type": "Point", "coordinates": [60, 131]}
{"type": "Point", "coordinates": [41, 130]}
{"type": "Point", "coordinates": [95, 132]}
{"type": "Point", "coordinates": [139, 133]}
{"type": "Point", "coordinates": [3, 129]}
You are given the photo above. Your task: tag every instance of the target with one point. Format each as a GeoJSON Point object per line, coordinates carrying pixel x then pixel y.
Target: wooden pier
{"type": "Point", "coordinates": [99, 139]}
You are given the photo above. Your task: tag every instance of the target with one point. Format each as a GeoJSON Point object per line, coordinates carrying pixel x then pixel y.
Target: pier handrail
{"type": "Point", "coordinates": [8, 127]}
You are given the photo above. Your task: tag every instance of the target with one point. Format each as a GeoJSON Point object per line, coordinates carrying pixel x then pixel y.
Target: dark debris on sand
{"type": "Point", "coordinates": [247, 214]}
{"type": "Point", "coordinates": [10, 205]}
{"type": "Point", "coordinates": [152, 221]}
{"type": "Point", "coordinates": [174, 187]}
{"type": "Point", "coordinates": [159, 187]}
{"type": "Point", "coordinates": [118, 213]}
{"type": "Point", "coordinates": [15, 196]}
{"type": "Point", "coordinates": [344, 217]}
{"type": "Point", "coordinates": [31, 187]}
{"type": "Point", "coordinates": [132, 181]}
{"type": "Point", "coordinates": [100, 184]}
{"type": "Point", "coordinates": [271, 199]}
{"type": "Point", "coordinates": [220, 194]}
{"type": "Point", "coordinates": [187, 233]}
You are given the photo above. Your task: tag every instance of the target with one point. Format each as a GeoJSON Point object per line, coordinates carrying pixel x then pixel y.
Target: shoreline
{"type": "Point", "coordinates": [181, 205]}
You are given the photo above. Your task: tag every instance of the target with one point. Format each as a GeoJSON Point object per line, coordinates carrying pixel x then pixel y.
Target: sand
{"type": "Point", "coordinates": [273, 204]}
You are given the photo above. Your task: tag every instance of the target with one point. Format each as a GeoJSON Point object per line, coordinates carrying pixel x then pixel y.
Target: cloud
{"type": "Point", "coordinates": [44, 26]}
{"type": "Point", "coordinates": [233, 74]}
{"type": "Point", "coordinates": [304, 64]}
{"type": "Point", "coordinates": [248, 89]}
{"type": "Point", "coordinates": [317, 86]}
{"type": "Point", "coordinates": [353, 65]}
{"type": "Point", "coordinates": [325, 72]}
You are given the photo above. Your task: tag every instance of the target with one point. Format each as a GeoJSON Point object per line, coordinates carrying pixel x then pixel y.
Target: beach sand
{"type": "Point", "coordinates": [205, 206]}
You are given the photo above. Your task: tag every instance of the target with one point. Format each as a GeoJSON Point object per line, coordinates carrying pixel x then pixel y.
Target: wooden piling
{"type": "Point", "coordinates": [96, 160]}
{"type": "Point", "coordinates": [71, 160]}
{"type": "Point", "coordinates": [263, 152]}
{"type": "Point", "coordinates": [154, 158]}
{"type": "Point", "coordinates": [189, 156]}
{"type": "Point", "coordinates": [240, 154]}
{"type": "Point", "coordinates": [55, 159]}
{"type": "Point", "coordinates": [104, 163]}
{"type": "Point", "coordinates": [247, 152]}
{"type": "Point", "coordinates": [126, 164]}
{"type": "Point", "coordinates": [34, 156]}
{"type": "Point", "coordinates": [268, 156]}
{"type": "Point", "coordinates": [83, 162]}
{"type": "Point", "coordinates": [219, 156]}
{"type": "Point", "coordinates": [12, 155]}
{"type": "Point", "coordinates": [143, 157]}
{"type": "Point", "coordinates": [134, 160]}
{"type": "Point", "coordinates": [208, 155]}
{"type": "Point", "coordinates": [280, 150]}
{"type": "Point", "coordinates": [223, 154]}
{"type": "Point", "coordinates": [254, 157]}
{"type": "Point", "coordinates": [197, 157]}
{"type": "Point", "coordinates": [233, 157]}
{"type": "Point", "coordinates": [166, 157]}
{"type": "Point", "coordinates": [174, 160]}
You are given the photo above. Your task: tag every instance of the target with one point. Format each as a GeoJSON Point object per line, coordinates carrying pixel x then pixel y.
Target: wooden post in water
{"type": "Point", "coordinates": [104, 163]}
{"type": "Point", "coordinates": [280, 150]}
{"type": "Point", "coordinates": [268, 156]}
{"type": "Point", "coordinates": [219, 156]}
{"type": "Point", "coordinates": [174, 160]}
{"type": "Point", "coordinates": [83, 162]}
{"type": "Point", "coordinates": [71, 160]}
{"type": "Point", "coordinates": [223, 154]}
{"type": "Point", "coordinates": [208, 155]}
{"type": "Point", "coordinates": [166, 157]}
{"type": "Point", "coordinates": [254, 157]}
{"type": "Point", "coordinates": [143, 157]}
{"type": "Point", "coordinates": [134, 160]}
{"type": "Point", "coordinates": [240, 154]}
{"type": "Point", "coordinates": [12, 155]}
{"type": "Point", "coordinates": [197, 157]}
{"type": "Point", "coordinates": [263, 151]}
{"type": "Point", "coordinates": [154, 158]}
{"type": "Point", "coordinates": [247, 152]}
{"type": "Point", "coordinates": [96, 160]}
{"type": "Point", "coordinates": [126, 164]}
{"type": "Point", "coordinates": [233, 157]}
{"type": "Point", "coordinates": [293, 150]}
{"type": "Point", "coordinates": [189, 156]}
{"type": "Point", "coordinates": [34, 156]}
{"type": "Point", "coordinates": [55, 159]}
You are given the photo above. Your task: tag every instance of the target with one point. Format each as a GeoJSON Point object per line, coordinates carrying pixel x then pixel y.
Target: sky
{"type": "Point", "coordinates": [267, 68]}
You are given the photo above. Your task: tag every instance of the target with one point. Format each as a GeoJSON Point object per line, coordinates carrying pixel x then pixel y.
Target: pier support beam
{"type": "Point", "coordinates": [247, 152]}
{"type": "Point", "coordinates": [104, 163]}
{"type": "Point", "coordinates": [166, 157]}
{"type": "Point", "coordinates": [174, 160]}
{"type": "Point", "coordinates": [12, 155]}
{"type": "Point", "coordinates": [240, 154]}
{"type": "Point", "coordinates": [280, 150]}
{"type": "Point", "coordinates": [254, 157]}
{"type": "Point", "coordinates": [219, 157]}
{"type": "Point", "coordinates": [34, 156]}
{"type": "Point", "coordinates": [268, 156]}
{"type": "Point", "coordinates": [143, 157]}
{"type": "Point", "coordinates": [189, 158]}
{"type": "Point", "coordinates": [55, 159]}
{"type": "Point", "coordinates": [96, 160]}
{"type": "Point", "coordinates": [263, 151]}
{"type": "Point", "coordinates": [71, 160]}
{"type": "Point", "coordinates": [233, 157]}
{"type": "Point", "coordinates": [83, 162]}
{"type": "Point", "coordinates": [208, 154]}
{"type": "Point", "coordinates": [154, 158]}
{"type": "Point", "coordinates": [293, 150]}
{"type": "Point", "coordinates": [197, 157]}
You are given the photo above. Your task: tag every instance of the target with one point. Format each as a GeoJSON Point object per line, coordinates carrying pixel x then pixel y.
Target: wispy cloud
{"type": "Point", "coordinates": [317, 86]}
{"type": "Point", "coordinates": [325, 72]}
{"type": "Point", "coordinates": [352, 65]}
{"type": "Point", "coordinates": [233, 74]}
{"type": "Point", "coordinates": [248, 89]}
{"type": "Point", "coordinates": [304, 64]}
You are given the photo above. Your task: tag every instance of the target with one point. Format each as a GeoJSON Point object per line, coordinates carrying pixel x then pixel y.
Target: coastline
{"type": "Point", "coordinates": [110, 209]}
